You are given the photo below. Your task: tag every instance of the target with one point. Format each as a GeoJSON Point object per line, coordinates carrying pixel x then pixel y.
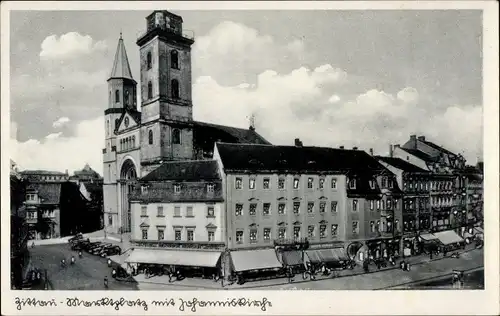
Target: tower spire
{"type": "Point", "coordinates": [121, 66]}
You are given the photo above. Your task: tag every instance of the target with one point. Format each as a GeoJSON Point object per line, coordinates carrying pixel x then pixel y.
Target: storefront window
{"type": "Point", "coordinates": [178, 235]}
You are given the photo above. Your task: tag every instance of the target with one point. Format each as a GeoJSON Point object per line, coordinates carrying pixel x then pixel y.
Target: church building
{"type": "Point", "coordinates": [139, 141]}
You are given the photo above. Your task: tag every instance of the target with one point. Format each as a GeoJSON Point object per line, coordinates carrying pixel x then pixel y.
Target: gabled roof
{"type": "Point", "coordinates": [401, 164]}
{"type": "Point", "coordinates": [269, 158]}
{"type": "Point", "coordinates": [437, 147]}
{"type": "Point", "coordinates": [206, 134]}
{"type": "Point", "coordinates": [134, 114]}
{"type": "Point", "coordinates": [194, 170]}
{"type": "Point", "coordinates": [420, 154]}
{"type": "Point", "coordinates": [41, 172]}
{"type": "Point", "coordinates": [121, 66]}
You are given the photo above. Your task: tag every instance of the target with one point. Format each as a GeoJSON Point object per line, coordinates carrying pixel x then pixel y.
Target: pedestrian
{"type": "Point", "coordinates": [109, 262]}
{"type": "Point", "coordinates": [80, 254]}
{"type": "Point", "coordinates": [402, 265]}
{"type": "Point", "coordinates": [408, 266]}
{"type": "Point", "coordinates": [290, 275]}
{"type": "Point", "coordinates": [38, 275]}
{"type": "Point", "coordinates": [113, 273]}
{"type": "Point", "coordinates": [106, 282]}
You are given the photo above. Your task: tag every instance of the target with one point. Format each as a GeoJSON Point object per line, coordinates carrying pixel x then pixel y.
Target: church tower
{"type": "Point", "coordinates": [122, 96]}
{"type": "Point", "coordinates": [166, 103]}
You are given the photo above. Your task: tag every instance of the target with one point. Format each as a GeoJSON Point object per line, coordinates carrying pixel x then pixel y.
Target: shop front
{"type": "Point", "coordinates": [374, 249]}
{"type": "Point", "coordinates": [333, 258]}
{"type": "Point", "coordinates": [449, 240]}
{"type": "Point", "coordinates": [256, 264]}
{"type": "Point", "coordinates": [187, 263]}
{"type": "Point", "coordinates": [293, 259]}
{"type": "Point", "coordinates": [410, 246]}
{"type": "Point", "coordinates": [392, 247]}
{"type": "Point", "coordinates": [428, 243]}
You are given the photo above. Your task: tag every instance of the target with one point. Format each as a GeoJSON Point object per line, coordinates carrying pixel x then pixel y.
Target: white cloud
{"type": "Point", "coordinates": [334, 99]}
{"type": "Point", "coordinates": [57, 152]}
{"type": "Point", "coordinates": [69, 45]}
{"type": "Point", "coordinates": [60, 122]}
{"type": "Point", "coordinates": [408, 95]}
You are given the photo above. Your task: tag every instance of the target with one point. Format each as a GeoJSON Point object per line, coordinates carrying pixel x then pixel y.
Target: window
{"type": "Point", "coordinates": [238, 184]}
{"type": "Point", "coordinates": [144, 234]}
{"type": "Point", "coordinates": [161, 234]}
{"type": "Point", "coordinates": [150, 90]}
{"type": "Point", "coordinates": [378, 204]}
{"type": "Point", "coordinates": [239, 236]}
{"type": "Point", "coordinates": [354, 205]}
{"type": "Point", "coordinates": [296, 183]}
{"type": "Point", "coordinates": [371, 205]}
{"type": "Point", "coordinates": [174, 59]}
{"type": "Point", "coordinates": [281, 208]}
{"type": "Point", "coordinates": [378, 227]}
{"type": "Point", "coordinates": [372, 226]}
{"type": "Point", "coordinates": [251, 183]}
{"type": "Point", "coordinates": [310, 207]}
{"type": "Point", "coordinates": [296, 232]}
{"type": "Point", "coordinates": [253, 235]}
{"type": "Point", "coordinates": [382, 205]}
{"type": "Point", "coordinates": [389, 226]}
{"type": "Point", "coordinates": [405, 185]}
{"type": "Point", "coordinates": [252, 209]}
{"type": "Point", "coordinates": [238, 210]}
{"type": "Point", "coordinates": [110, 219]}
{"type": "Point", "coordinates": [150, 137]}
{"type": "Point", "coordinates": [322, 207]}
{"type": "Point", "coordinates": [149, 60]}
{"type": "Point", "coordinates": [265, 184]}
{"type": "Point", "coordinates": [176, 136]}
{"type": "Point", "coordinates": [321, 183]}
{"type": "Point", "coordinates": [266, 210]}
{"type": "Point", "coordinates": [117, 96]}
{"type": "Point", "coordinates": [177, 188]}
{"type": "Point", "coordinates": [372, 184]}
{"type": "Point", "coordinates": [178, 234]}
{"type": "Point", "coordinates": [322, 231]}
{"type": "Point", "coordinates": [267, 234]}
{"type": "Point", "coordinates": [177, 211]}
{"type": "Point", "coordinates": [175, 88]}
{"type": "Point", "coordinates": [384, 182]}
{"type": "Point", "coordinates": [190, 235]}
{"type": "Point", "coordinates": [189, 211]}
{"type": "Point", "coordinates": [281, 233]}
{"type": "Point", "coordinates": [296, 207]}
{"type": "Point", "coordinates": [211, 236]}
{"type": "Point", "coordinates": [355, 227]}
{"type": "Point", "coordinates": [160, 211]}
{"type": "Point", "coordinates": [334, 183]}
{"type": "Point", "coordinates": [281, 183]}
{"type": "Point", "coordinates": [311, 232]}
{"type": "Point", "coordinates": [335, 228]}
{"type": "Point", "coordinates": [446, 221]}
{"type": "Point", "coordinates": [210, 187]}
{"type": "Point", "coordinates": [352, 184]}
{"type": "Point", "coordinates": [211, 211]}
{"type": "Point", "coordinates": [144, 211]}
{"type": "Point", "coordinates": [310, 183]}
{"type": "Point", "coordinates": [334, 206]}
{"type": "Point", "coordinates": [389, 204]}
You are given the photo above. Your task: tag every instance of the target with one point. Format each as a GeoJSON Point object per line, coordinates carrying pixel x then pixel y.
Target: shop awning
{"type": "Point", "coordinates": [448, 237]}
{"type": "Point", "coordinates": [428, 237]}
{"type": "Point", "coordinates": [191, 258]}
{"type": "Point", "coordinates": [292, 258]}
{"type": "Point", "coordinates": [327, 255]}
{"type": "Point", "coordinates": [245, 260]}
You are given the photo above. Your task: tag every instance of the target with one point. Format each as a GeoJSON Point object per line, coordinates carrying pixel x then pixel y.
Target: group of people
{"type": "Point", "coordinates": [72, 260]}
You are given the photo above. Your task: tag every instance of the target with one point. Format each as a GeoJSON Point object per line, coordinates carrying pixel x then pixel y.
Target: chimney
{"type": "Point", "coordinates": [391, 152]}
{"type": "Point", "coordinates": [413, 140]}
{"type": "Point", "coordinates": [298, 142]}
{"type": "Point", "coordinates": [371, 151]}
{"type": "Point", "coordinates": [421, 138]}
{"type": "Point", "coordinates": [341, 147]}
{"type": "Point", "coordinates": [354, 148]}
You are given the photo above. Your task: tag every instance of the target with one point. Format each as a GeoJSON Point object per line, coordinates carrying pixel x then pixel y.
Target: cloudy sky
{"type": "Point", "coordinates": [331, 78]}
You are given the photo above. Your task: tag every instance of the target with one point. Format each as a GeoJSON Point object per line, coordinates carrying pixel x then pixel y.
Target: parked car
{"type": "Point", "coordinates": [93, 245]}
{"type": "Point", "coordinates": [76, 237]}
{"type": "Point", "coordinates": [97, 250]}
{"type": "Point", "coordinates": [111, 250]}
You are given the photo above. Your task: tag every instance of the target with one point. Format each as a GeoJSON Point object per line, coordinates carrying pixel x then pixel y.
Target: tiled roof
{"type": "Point", "coordinates": [437, 147]}
{"type": "Point", "coordinates": [184, 171]}
{"type": "Point", "coordinates": [420, 154]}
{"type": "Point", "coordinates": [401, 164]}
{"type": "Point", "coordinates": [206, 134]}
{"type": "Point", "coordinates": [38, 172]}
{"type": "Point", "coordinates": [163, 192]}
{"type": "Point", "coordinates": [244, 157]}
{"type": "Point", "coordinates": [50, 193]}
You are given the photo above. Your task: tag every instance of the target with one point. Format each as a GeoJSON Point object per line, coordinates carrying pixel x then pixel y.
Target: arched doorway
{"type": "Point", "coordinates": [128, 178]}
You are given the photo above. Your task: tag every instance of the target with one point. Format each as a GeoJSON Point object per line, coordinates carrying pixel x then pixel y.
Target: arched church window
{"type": "Point", "coordinates": [127, 97]}
{"type": "Point", "coordinates": [107, 127]}
{"type": "Point", "coordinates": [176, 136]}
{"type": "Point", "coordinates": [174, 59]}
{"type": "Point", "coordinates": [150, 137]}
{"type": "Point", "coordinates": [150, 90]}
{"type": "Point", "coordinates": [175, 88]}
{"type": "Point", "coordinates": [133, 141]}
{"type": "Point", "coordinates": [149, 60]}
{"type": "Point", "coordinates": [117, 96]}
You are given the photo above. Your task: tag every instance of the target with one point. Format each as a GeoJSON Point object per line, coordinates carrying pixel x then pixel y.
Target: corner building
{"type": "Point", "coordinates": [138, 142]}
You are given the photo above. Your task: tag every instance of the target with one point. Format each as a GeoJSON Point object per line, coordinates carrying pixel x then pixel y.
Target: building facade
{"type": "Point", "coordinates": [19, 254]}
{"type": "Point", "coordinates": [138, 142]}
{"type": "Point", "coordinates": [43, 210]}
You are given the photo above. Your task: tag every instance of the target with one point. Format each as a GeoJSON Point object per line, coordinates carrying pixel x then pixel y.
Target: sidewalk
{"type": "Point", "coordinates": [421, 268]}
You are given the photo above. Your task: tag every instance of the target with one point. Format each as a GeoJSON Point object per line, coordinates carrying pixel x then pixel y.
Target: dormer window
{"type": "Point", "coordinates": [177, 188]}
{"type": "Point", "coordinates": [352, 184]}
{"type": "Point", "coordinates": [210, 187]}
{"type": "Point", "coordinates": [144, 189]}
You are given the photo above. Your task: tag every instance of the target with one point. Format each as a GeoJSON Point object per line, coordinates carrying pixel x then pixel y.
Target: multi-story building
{"type": "Point", "coordinates": [416, 214]}
{"type": "Point", "coordinates": [178, 217]}
{"type": "Point", "coordinates": [474, 195]}
{"type": "Point", "coordinates": [164, 130]}
{"type": "Point", "coordinates": [42, 210]}
{"type": "Point", "coordinates": [330, 199]}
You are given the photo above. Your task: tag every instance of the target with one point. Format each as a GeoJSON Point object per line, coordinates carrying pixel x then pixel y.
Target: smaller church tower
{"type": "Point", "coordinates": [122, 96]}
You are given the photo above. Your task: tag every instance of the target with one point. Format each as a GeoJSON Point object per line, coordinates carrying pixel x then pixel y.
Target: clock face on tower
{"type": "Point", "coordinates": [126, 122]}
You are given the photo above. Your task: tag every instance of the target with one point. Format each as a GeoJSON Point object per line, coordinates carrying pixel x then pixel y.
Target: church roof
{"type": "Point", "coordinates": [193, 170]}
{"type": "Point", "coordinates": [121, 66]}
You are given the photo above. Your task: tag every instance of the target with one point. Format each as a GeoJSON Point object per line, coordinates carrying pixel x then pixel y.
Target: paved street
{"type": "Point", "coordinates": [86, 274]}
